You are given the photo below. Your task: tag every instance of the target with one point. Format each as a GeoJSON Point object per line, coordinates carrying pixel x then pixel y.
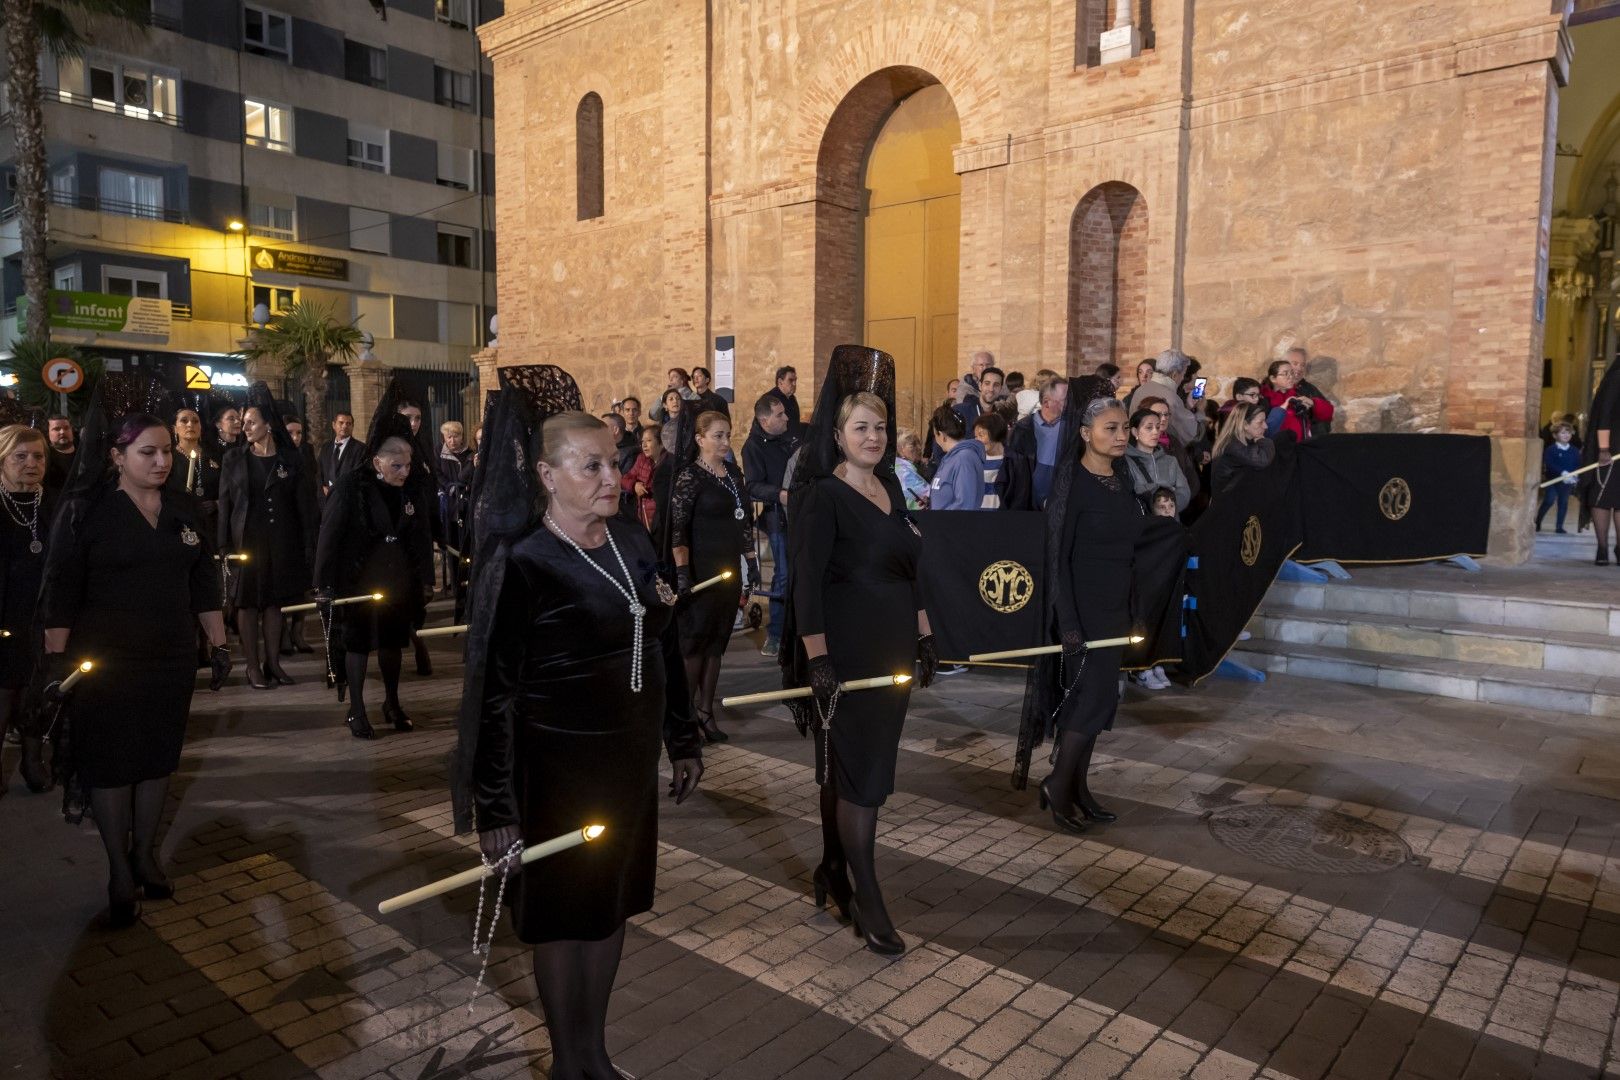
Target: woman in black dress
{"type": "Point", "coordinates": [455, 472]}
{"type": "Point", "coordinates": [266, 512]}
{"type": "Point", "coordinates": [858, 614]}
{"type": "Point", "coordinates": [1600, 488]}
{"type": "Point", "coordinates": [292, 631]}
{"type": "Point", "coordinates": [129, 576]}
{"type": "Point", "coordinates": [1102, 524]}
{"type": "Point", "coordinates": [711, 531]}
{"type": "Point", "coordinates": [574, 683]}
{"type": "Point", "coordinates": [375, 538]}
{"type": "Point", "coordinates": [23, 531]}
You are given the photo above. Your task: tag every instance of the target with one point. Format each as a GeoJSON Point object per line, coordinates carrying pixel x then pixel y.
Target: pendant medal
{"type": "Point", "coordinates": [737, 513]}
{"type": "Point", "coordinates": [281, 472]}
{"type": "Point", "coordinates": [410, 508]}
{"type": "Point", "coordinates": [187, 536]}
{"type": "Point", "coordinates": [36, 547]}
{"type": "Point", "coordinates": [666, 595]}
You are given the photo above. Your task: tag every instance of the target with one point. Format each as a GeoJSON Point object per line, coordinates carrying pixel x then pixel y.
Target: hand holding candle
{"type": "Point", "coordinates": [876, 683]}
{"type": "Point", "coordinates": [295, 609]}
{"type": "Point", "coordinates": [724, 575]}
{"type": "Point", "coordinates": [567, 840]}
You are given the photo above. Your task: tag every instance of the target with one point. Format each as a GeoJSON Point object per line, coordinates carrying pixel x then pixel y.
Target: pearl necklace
{"type": "Point", "coordinates": [14, 509]}
{"type": "Point", "coordinates": [724, 480]}
{"type": "Point", "coordinates": [627, 590]}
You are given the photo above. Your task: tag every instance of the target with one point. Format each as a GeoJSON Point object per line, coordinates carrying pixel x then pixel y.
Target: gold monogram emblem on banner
{"type": "Point", "coordinates": [1395, 499]}
{"type": "Point", "coordinates": [1006, 586]}
{"type": "Point", "coordinates": [1252, 538]}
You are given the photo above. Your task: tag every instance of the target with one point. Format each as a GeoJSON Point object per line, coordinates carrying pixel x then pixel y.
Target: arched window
{"type": "Point", "coordinates": [1108, 277]}
{"type": "Point", "coordinates": [588, 156]}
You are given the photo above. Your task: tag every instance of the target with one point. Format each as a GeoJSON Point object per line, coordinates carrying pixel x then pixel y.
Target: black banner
{"type": "Point", "coordinates": [301, 263]}
{"type": "Point", "coordinates": [981, 579]}
{"type": "Point", "coordinates": [1240, 543]}
{"type": "Point", "coordinates": [1394, 498]}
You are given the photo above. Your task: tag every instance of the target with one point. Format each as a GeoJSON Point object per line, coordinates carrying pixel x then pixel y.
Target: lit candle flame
{"type": "Point", "coordinates": [725, 574]}
{"type": "Point", "coordinates": [1137, 639]}
{"type": "Point", "coordinates": [376, 596]}
{"type": "Point", "coordinates": [594, 831]}
{"type": "Point", "coordinates": [901, 680]}
{"type": "Point", "coordinates": [86, 666]}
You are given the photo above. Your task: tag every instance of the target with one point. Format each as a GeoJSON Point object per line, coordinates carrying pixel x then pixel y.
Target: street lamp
{"type": "Point", "coordinates": [235, 225]}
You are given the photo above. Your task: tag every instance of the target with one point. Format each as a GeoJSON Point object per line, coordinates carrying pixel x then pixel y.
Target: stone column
{"type": "Point", "coordinates": [1122, 40]}
{"type": "Point", "coordinates": [486, 360]}
{"type": "Point", "coordinates": [367, 381]}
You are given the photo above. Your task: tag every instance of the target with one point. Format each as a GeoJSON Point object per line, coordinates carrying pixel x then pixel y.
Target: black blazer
{"type": "Point", "coordinates": [355, 454]}
{"type": "Point", "coordinates": [285, 482]}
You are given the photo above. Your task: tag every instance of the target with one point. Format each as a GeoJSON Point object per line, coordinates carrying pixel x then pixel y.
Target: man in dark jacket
{"type": "Point", "coordinates": [787, 383]}
{"type": "Point", "coordinates": [1297, 358]}
{"type": "Point", "coordinates": [707, 399]}
{"type": "Point", "coordinates": [765, 458]}
{"type": "Point", "coordinates": [1038, 437]}
{"type": "Point", "coordinates": [343, 454]}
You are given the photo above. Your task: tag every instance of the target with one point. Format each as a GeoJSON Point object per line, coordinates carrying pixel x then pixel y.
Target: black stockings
{"type": "Point", "coordinates": [702, 673]}
{"type": "Point", "coordinates": [832, 850]}
{"type": "Point", "coordinates": [128, 819]}
{"type": "Point", "coordinates": [388, 662]}
{"type": "Point", "coordinates": [857, 836]}
{"type": "Point", "coordinates": [260, 629]}
{"type": "Point", "coordinates": [575, 979]}
{"type": "Point", "coordinates": [1600, 525]}
{"type": "Point", "coordinates": [1066, 787]}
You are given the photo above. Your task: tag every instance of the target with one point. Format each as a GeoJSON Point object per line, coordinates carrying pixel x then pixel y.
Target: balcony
{"type": "Point", "coordinates": [133, 112]}
{"type": "Point", "coordinates": [77, 201]}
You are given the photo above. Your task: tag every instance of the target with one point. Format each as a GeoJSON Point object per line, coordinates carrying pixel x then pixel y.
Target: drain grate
{"type": "Point", "coordinates": [1308, 839]}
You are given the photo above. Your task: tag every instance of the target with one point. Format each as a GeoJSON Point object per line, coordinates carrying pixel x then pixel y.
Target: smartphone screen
{"type": "Point", "coordinates": [1198, 387]}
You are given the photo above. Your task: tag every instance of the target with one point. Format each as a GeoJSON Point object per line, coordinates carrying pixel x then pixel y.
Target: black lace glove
{"type": "Point", "coordinates": [219, 663]}
{"type": "Point", "coordinates": [683, 580]}
{"type": "Point", "coordinates": [57, 668]}
{"type": "Point", "coordinates": [823, 684]}
{"type": "Point", "coordinates": [927, 660]}
{"type": "Point", "coordinates": [1073, 644]}
{"type": "Point", "coordinates": [754, 576]}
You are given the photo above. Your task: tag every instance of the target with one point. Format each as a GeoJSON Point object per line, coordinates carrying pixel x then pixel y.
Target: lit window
{"type": "Point", "coordinates": [265, 32]}
{"type": "Point", "coordinates": [454, 12]}
{"type": "Point", "coordinates": [455, 246]}
{"type": "Point", "coordinates": [368, 230]}
{"type": "Point", "coordinates": [453, 88]}
{"type": "Point", "coordinates": [267, 125]}
{"type": "Point", "coordinates": [455, 167]}
{"type": "Point", "coordinates": [109, 85]}
{"type": "Point", "coordinates": [131, 194]}
{"type": "Point", "coordinates": [368, 147]}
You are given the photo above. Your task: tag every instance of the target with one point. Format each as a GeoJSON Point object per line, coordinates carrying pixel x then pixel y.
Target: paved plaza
{"type": "Point", "coordinates": [1306, 880]}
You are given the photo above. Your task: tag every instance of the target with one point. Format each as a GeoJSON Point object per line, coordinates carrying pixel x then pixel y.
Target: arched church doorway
{"type": "Point", "coordinates": [1108, 279]}
{"type": "Point", "coordinates": [888, 227]}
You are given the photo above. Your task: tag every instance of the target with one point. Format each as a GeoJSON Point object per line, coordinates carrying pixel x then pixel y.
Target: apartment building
{"type": "Point", "coordinates": [233, 157]}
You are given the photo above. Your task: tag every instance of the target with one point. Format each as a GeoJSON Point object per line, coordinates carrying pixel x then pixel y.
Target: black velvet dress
{"type": "Point", "coordinates": [267, 512]}
{"type": "Point", "coordinates": [855, 580]}
{"type": "Point", "coordinates": [1100, 533]}
{"type": "Point", "coordinates": [129, 595]}
{"type": "Point", "coordinates": [21, 571]}
{"type": "Point", "coordinates": [564, 743]}
{"type": "Point", "coordinates": [703, 518]}
{"type": "Point", "coordinates": [204, 484]}
{"type": "Point", "coordinates": [375, 538]}
{"type": "Point", "coordinates": [1600, 488]}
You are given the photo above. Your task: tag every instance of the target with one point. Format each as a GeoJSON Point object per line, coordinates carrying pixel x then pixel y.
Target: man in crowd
{"type": "Point", "coordinates": [981, 360]}
{"type": "Point", "coordinates": [1297, 358]}
{"type": "Point", "coordinates": [1039, 437]}
{"type": "Point", "coordinates": [765, 457]}
{"type": "Point", "coordinates": [787, 384]}
{"type": "Point", "coordinates": [343, 454]}
{"type": "Point", "coordinates": [59, 463]}
{"type": "Point", "coordinates": [707, 400]}
{"type": "Point", "coordinates": [1169, 372]}
{"type": "Point", "coordinates": [629, 442]}
{"type": "Point", "coordinates": [1245, 391]}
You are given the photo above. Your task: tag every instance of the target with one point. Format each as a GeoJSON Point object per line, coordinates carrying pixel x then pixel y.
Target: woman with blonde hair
{"type": "Point", "coordinates": [23, 536]}
{"type": "Point", "coordinates": [1242, 445]}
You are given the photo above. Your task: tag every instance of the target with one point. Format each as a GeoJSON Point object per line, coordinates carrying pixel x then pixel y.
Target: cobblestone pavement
{"type": "Point", "coordinates": [1306, 880]}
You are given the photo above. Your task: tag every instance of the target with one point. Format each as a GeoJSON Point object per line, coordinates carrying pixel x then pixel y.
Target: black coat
{"type": "Point", "coordinates": [765, 459]}
{"type": "Point", "coordinates": [286, 485]}
{"type": "Point", "coordinates": [357, 523]}
{"type": "Point", "coordinates": [355, 455]}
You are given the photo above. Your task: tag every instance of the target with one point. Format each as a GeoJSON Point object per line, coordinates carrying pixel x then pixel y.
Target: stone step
{"type": "Point", "coordinates": [1575, 693]}
{"type": "Point", "coordinates": [1472, 602]}
{"type": "Point", "coordinates": [1531, 648]}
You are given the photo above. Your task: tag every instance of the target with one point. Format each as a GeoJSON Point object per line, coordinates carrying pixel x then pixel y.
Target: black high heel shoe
{"type": "Point", "coordinates": [257, 680]}
{"type": "Point", "coordinates": [834, 884]}
{"type": "Point", "coordinates": [280, 676]}
{"type": "Point", "coordinates": [359, 727]}
{"type": "Point", "coordinates": [396, 716]}
{"type": "Point", "coordinates": [151, 888]}
{"type": "Point", "coordinates": [1092, 810]}
{"type": "Point", "coordinates": [1602, 557]}
{"type": "Point", "coordinates": [889, 944]}
{"type": "Point", "coordinates": [424, 662]}
{"type": "Point", "coordinates": [711, 730]}
{"type": "Point", "coordinates": [1065, 822]}
{"type": "Point", "coordinates": [122, 914]}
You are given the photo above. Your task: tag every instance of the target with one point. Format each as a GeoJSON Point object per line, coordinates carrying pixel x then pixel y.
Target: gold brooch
{"type": "Point", "coordinates": [410, 508]}
{"type": "Point", "coordinates": [187, 536]}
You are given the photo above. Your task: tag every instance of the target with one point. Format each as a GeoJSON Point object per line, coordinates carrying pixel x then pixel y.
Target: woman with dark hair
{"type": "Point", "coordinates": [639, 480]}
{"type": "Point", "coordinates": [1242, 446]}
{"type": "Point", "coordinates": [129, 575]}
{"type": "Point", "coordinates": [23, 532]}
{"type": "Point", "coordinates": [1102, 523]}
{"type": "Point", "coordinates": [376, 538]}
{"type": "Point", "coordinates": [669, 434]}
{"type": "Point", "coordinates": [857, 613]}
{"type": "Point", "coordinates": [711, 531]}
{"type": "Point", "coordinates": [959, 480]}
{"type": "Point", "coordinates": [267, 513]}
{"type": "Point", "coordinates": [574, 683]}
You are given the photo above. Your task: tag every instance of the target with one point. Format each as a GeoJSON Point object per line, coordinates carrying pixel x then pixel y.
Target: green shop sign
{"type": "Point", "coordinates": [104, 313]}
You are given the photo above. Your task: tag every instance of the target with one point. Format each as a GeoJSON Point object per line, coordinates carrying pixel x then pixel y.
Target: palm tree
{"type": "Point", "coordinates": [30, 27]}
{"type": "Point", "coordinates": [303, 339]}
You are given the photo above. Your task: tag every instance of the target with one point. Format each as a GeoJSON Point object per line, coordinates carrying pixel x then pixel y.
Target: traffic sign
{"type": "Point", "coordinates": [63, 375]}
{"type": "Point", "coordinates": [197, 378]}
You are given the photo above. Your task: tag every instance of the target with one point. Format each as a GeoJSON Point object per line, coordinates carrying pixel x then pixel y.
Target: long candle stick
{"type": "Point", "coordinates": [442, 631]}
{"type": "Point", "coordinates": [1574, 472]}
{"type": "Point", "coordinates": [455, 881]}
{"type": "Point", "coordinates": [78, 673]}
{"type": "Point", "coordinates": [724, 575]}
{"type": "Point", "coordinates": [1048, 650]}
{"type": "Point", "coordinates": [985, 663]}
{"type": "Point", "coordinates": [191, 470]}
{"type": "Point", "coordinates": [294, 609]}
{"type": "Point", "coordinates": [804, 691]}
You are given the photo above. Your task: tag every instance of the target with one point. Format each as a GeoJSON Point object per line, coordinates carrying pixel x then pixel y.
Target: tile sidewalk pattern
{"type": "Point", "coordinates": [1144, 949]}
